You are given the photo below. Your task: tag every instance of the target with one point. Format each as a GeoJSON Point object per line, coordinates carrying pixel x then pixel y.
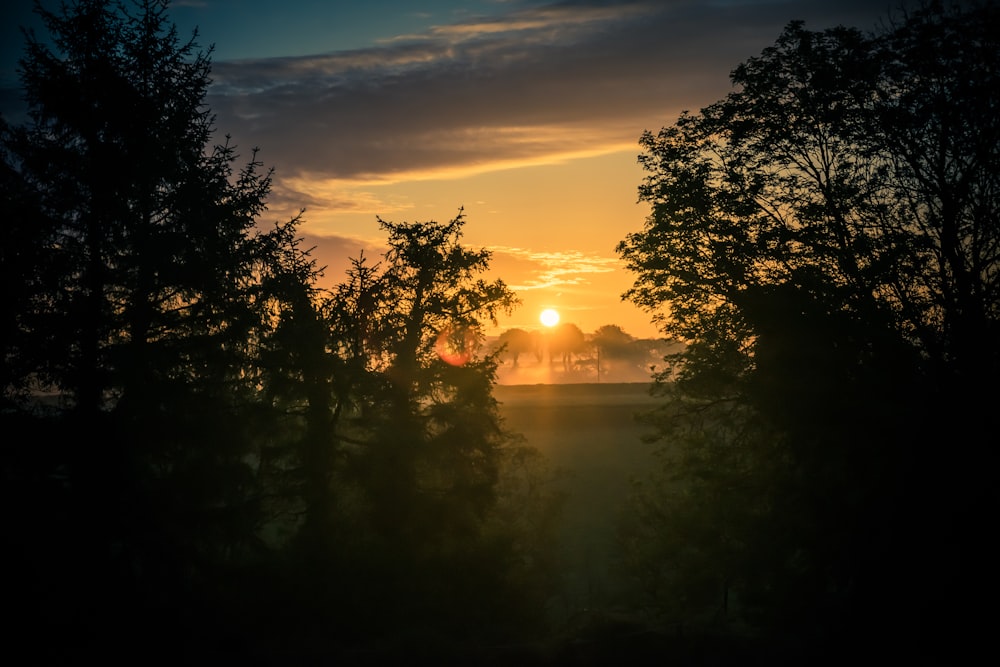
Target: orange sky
{"type": "Point", "coordinates": [552, 229]}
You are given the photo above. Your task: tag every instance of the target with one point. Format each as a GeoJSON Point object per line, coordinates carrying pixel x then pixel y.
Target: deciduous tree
{"type": "Point", "coordinates": [563, 341]}
{"type": "Point", "coordinates": [518, 341]}
{"type": "Point", "coordinates": [824, 238]}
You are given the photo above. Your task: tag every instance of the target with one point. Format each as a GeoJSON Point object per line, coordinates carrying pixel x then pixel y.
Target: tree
{"type": "Point", "coordinates": [143, 299]}
{"type": "Point", "coordinates": [563, 341]}
{"type": "Point", "coordinates": [824, 240]}
{"type": "Point", "coordinates": [206, 442]}
{"type": "Point", "coordinates": [516, 342]}
{"type": "Point", "coordinates": [19, 263]}
{"type": "Point", "coordinates": [420, 510]}
{"type": "Point", "coordinates": [612, 340]}
{"type": "Point", "coordinates": [430, 306]}
{"type": "Point", "coordinates": [621, 354]}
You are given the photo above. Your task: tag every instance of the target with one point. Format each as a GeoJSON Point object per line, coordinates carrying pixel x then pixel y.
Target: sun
{"type": "Point", "coordinates": [549, 317]}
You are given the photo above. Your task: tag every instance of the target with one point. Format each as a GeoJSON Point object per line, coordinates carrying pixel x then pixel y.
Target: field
{"type": "Point", "coordinates": [589, 433]}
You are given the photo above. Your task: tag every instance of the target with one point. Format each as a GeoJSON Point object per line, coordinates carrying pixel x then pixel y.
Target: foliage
{"type": "Point", "coordinates": [612, 340]}
{"type": "Point", "coordinates": [206, 441]}
{"type": "Point", "coordinates": [418, 514]}
{"type": "Point", "coordinates": [516, 342]}
{"type": "Point", "coordinates": [563, 341]}
{"type": "Point", "coordinates": [141, 300]}
{"type": "Point", "coordinates": [824, 239]}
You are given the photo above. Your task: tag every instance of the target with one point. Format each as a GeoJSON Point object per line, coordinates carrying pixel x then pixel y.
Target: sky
{"type": "Point", "coordinates": [526, 115]}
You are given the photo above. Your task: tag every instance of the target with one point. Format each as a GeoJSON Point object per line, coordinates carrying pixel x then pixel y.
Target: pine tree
{"type": "Point", "coordinates": [146, 294]}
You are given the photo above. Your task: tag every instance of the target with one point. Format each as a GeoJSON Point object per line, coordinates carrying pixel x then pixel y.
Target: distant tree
{"type": "Point", "coordinates": [563, 341]}
{"type": "Point", "coordinates": [516, 342]}
{"type": "Point", "coordinates": [620, 352]}
{"type": "Point", "coordinates": [612, 339]}
{"type": "Point", "coordinates": [824, 241]}
{"type": "Point", "coordinates": [614, 344]}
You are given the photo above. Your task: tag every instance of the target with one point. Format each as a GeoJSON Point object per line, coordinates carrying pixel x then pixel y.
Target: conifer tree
{"type": "Point", "coordinates": [145, 291]}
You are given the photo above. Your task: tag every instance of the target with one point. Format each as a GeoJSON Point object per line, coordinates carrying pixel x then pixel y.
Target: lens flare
{"type": "Point", "coordinates": [455, 348]}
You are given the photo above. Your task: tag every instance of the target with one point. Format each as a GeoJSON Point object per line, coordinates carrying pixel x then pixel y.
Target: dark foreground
{"type": "Point", "coordinates": [591, 440]}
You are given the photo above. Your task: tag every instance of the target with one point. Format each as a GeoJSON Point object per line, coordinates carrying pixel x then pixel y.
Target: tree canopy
{"type": "Point", "coordinates": [140, 278]}
{"type": "Point", "coordinates": [825, 240]}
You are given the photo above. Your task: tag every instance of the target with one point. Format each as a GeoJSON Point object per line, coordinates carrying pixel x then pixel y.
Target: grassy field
{"type": "Point", "coordinates": [589, 433]}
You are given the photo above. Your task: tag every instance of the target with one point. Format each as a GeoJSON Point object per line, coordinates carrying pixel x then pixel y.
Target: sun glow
{"type": "Point", "coordinates": [549, 317]}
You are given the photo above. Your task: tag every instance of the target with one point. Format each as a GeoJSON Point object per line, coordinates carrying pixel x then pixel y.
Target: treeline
{"type": "Point", "coordinates": [565, 348]}
{"type": "Point", "coordinates": [203, 450]}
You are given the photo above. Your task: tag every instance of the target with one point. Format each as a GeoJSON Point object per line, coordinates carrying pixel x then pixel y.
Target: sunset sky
{"type": "Point", "coordinates": [525, 113]}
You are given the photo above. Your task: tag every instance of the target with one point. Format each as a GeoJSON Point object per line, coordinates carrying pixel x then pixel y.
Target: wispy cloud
{"type": "Point", "coordinates": [524, 270]}
{"type": "Point", "coordinates": [550, 270]}
{"type": "Point", "coordinates": [561, 21]}
{"type": "Point", "coordinates": [541, 83]}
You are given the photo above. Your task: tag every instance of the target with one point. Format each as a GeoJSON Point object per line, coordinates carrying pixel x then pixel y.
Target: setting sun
{"type": "Point", "coordinates": [549, 317]}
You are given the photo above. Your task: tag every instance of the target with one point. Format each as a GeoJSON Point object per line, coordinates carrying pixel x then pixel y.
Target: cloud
{"type": "Point", "coordinates": [536, 85]}
{"type": "Point", "coordinates": [531, 270]}
{"type": "Point", "coordinates": [533, 86]}
{"type": "Point", "coordinates": [523, 269]}
{"type": "Point", "coordinates": [539, 279]}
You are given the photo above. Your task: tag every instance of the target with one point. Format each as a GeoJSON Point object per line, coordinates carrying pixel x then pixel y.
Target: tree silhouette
{"type": "Point", "coordinates": [429, 294]}
{"type": "Point", "coordinates": [612, 340]}
{"type": "Point", "coordinates": [563, 341]}
{"type": "Point", "coordinates": [418, 509]}
{"type": "Point", "coordinates": [824, 240]}
{"type": "Point", "coordinates": [621, 354]}
{"type": "Point", "coordinates": [142, 303]}
{"type": "Point", "coordinates": [211, 452]}
{"type": "Point", "coordinates": [517, 342]}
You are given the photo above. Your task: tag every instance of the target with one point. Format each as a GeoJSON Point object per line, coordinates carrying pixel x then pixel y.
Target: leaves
{"type": "Point", "coordinates": [812, 238]}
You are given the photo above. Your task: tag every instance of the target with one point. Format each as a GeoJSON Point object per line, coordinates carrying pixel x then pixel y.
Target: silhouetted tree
{"type": "Point", "coordinates": [21, 265]}
{"type": "Point", "coordinates": [563, 341]}
{"type": "Point", "coordinates": [431, 302]}
{"type": "Point", "coordinates": [612, 340]}
{"type": "Point", "coordinates": [144, 293]}
{"type": "Point", "coordinates": [297, 375]}
{"type": "Point", "coordinates": [619, 351]}
{"type": "Point", "coordinates": [517, 342]}
{"type": "Point", "coordinates": [825, 241]}
{"type": "Point", "coordinates": [420, 512]}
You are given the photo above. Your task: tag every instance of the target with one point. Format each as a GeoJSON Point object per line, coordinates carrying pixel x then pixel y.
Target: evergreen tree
{"type": "Point", "coordinates": [145, 294]}
{"type": "Point", "coordinates": [422, 516]}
